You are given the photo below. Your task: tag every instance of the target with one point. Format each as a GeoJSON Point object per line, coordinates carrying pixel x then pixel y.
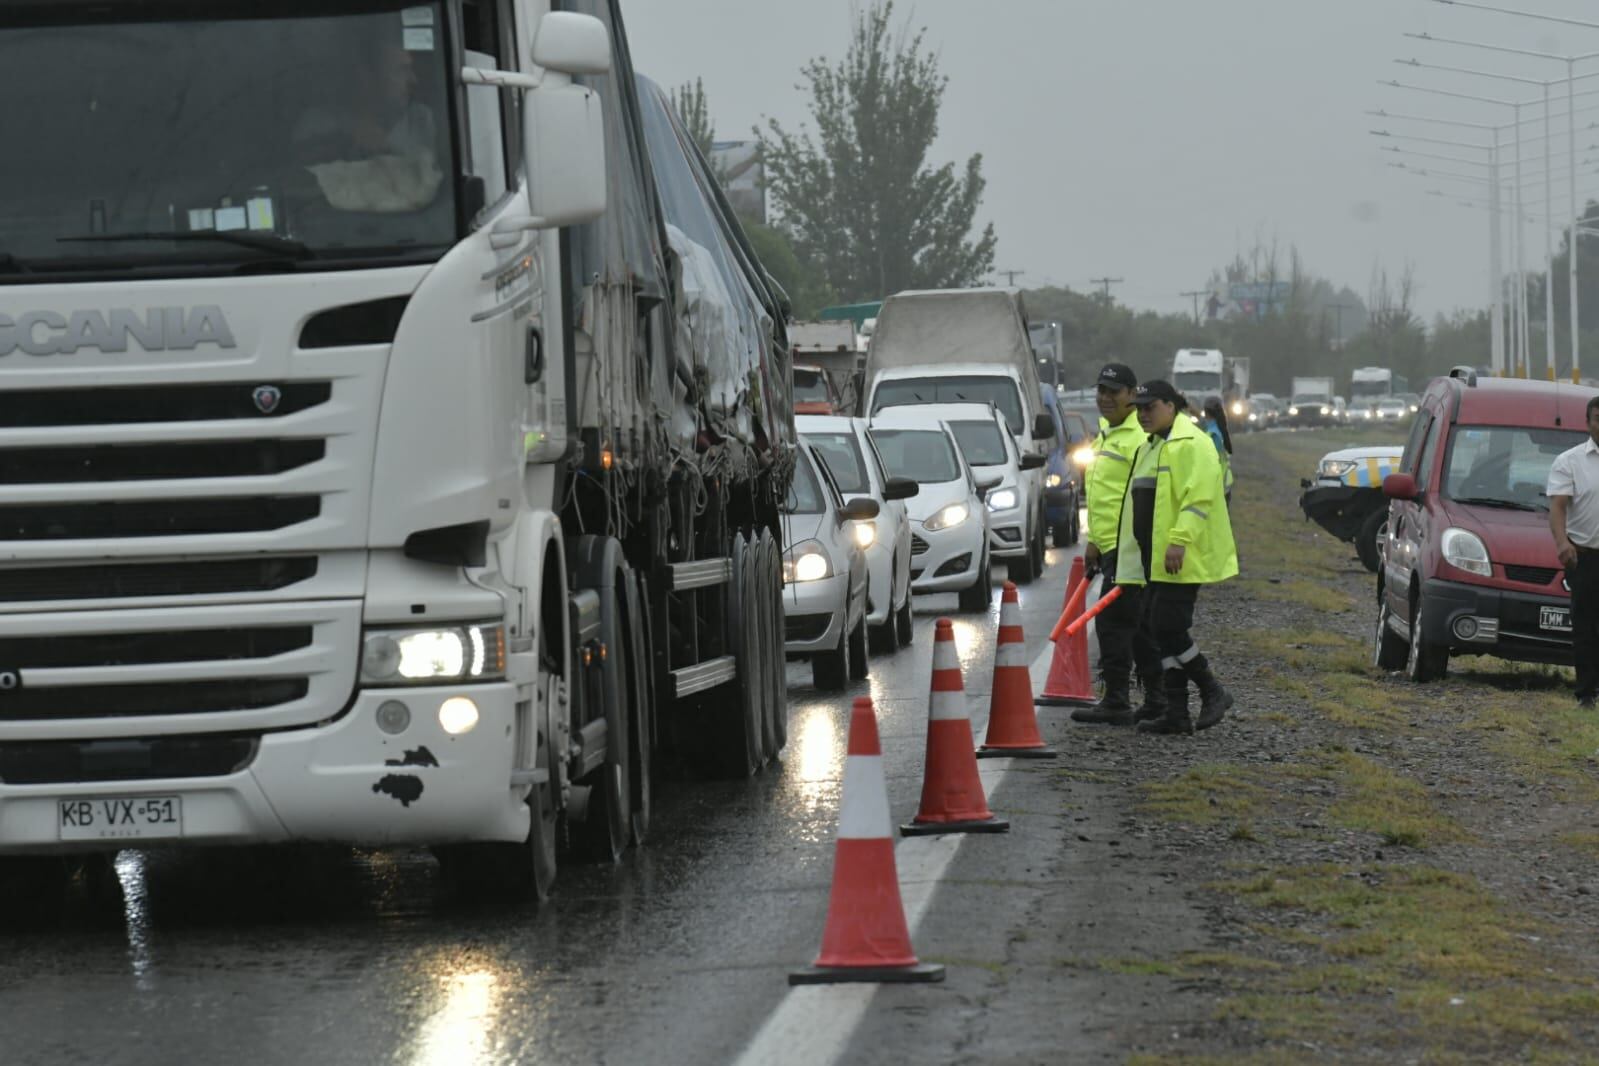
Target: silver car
{"type": "Point", "coordinates": [824, 575]}
{"type": "Point", "coordinates": [853, 460]}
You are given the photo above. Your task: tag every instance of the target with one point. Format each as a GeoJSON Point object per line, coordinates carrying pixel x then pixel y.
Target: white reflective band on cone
{"type": "Point", "coordinates": [865, 815]}
{"type": "Point", "coordinates": [1011, 654]}
{"type": "Point", "coordinates": [947, 706]}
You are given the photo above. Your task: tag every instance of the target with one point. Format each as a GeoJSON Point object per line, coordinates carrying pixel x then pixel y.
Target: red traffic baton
{"type": "Point", "coordinates": [1069, 612]}
{"type": "Point", "coordinates": [1105, 601]}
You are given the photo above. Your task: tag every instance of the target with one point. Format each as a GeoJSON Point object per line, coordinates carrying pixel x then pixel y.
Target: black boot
{"type": "Point", "coordinates": [1154, 707]}
{"type": "Point", "coordinates": [1176, 720]}
{"type": "Point", "coordinates": [1214, 701]}
{"type": "Point", "coordinates": [1113, 707]}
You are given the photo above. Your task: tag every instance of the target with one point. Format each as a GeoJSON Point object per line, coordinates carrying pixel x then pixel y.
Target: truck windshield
{"type": "Point", "coordinates": [1197, 381]}
{"type": "Point", "coordinates": [1368, 389]}
{"type": "Point", "coordinates": [923, 455]}
{"type": "Point", "coordinates": [998, 390]}
{"type": "Point", "coordinates": [981, 442]}
{"type": "Point", "coordinates": [199, 141]}
{"type": "Point", "coordinates": [1504, 466]}
{"type": "Point", "coordinates": [810, 387]}
{"type": "Point", "coordinates": [843, 457]}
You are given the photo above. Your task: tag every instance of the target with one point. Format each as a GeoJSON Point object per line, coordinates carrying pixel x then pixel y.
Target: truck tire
{"type": "Point", "coordinates": [776, 670]}
{"type": "Point", "coordinates": [607, 827]}
{"type": "Point", "coordinates": [739, 712]}
{"type": "Point", "coordinates": [1366, 539]}
{"type": "Point", "coordinates": [641, 730]}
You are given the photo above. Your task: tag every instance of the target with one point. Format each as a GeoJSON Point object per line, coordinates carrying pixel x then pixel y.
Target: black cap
{"type": "Point", "coordinates": [1118, 376]}
{"type": "Point", "coordinates": [1151, 391]}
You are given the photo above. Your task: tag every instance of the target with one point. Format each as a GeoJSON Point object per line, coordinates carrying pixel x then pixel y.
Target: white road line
{"type": "Point", "coordinates": [815, 1023]}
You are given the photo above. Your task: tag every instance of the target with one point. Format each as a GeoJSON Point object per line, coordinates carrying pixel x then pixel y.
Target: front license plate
{"type": "Point", "coordinates": [1556, 618]}
{"type": "Point", "coordinates": [121, 817]}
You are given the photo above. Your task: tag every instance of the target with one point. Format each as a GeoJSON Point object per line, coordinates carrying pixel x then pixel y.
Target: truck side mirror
{"type": "Point", "coordinates": [570, 43]}
{"type": "Point", "coordinates": [1043, 426]}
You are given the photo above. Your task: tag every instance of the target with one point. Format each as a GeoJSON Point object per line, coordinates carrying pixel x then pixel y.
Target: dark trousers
{"type": "Point", "coordinates": [1166, 615]}
{"type": "Point", "coordinates": [1122, 644]}
{"type": "Point", "coordinates": [1584, 581]}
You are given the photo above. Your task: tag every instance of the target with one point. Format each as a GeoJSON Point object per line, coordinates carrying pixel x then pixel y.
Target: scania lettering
{"type": "Point", "coordinates": [407, 466]}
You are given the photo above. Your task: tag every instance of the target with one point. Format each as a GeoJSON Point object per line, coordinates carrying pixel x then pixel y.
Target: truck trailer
{"type": "Point", "coordinates": [395, 453]}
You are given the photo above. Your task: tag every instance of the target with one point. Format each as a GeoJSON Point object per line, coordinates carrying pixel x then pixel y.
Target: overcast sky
{"type": "Point", "coordinates": [1151, 139]}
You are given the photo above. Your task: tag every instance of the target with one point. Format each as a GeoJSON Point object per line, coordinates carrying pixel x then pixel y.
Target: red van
{"type": "Point", "coordinates": [1469, 565]}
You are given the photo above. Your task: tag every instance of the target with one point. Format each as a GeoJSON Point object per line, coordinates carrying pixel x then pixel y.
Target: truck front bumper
{"type": "Point", "coordinates": [345, 782]}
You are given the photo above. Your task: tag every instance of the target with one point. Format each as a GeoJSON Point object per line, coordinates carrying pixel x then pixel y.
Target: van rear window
{"type": "Point", "coordinates": [998, 390]}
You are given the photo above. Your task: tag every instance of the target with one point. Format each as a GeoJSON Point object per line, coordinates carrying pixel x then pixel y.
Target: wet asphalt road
{"type": "Point", "coordinates": [677, 954]}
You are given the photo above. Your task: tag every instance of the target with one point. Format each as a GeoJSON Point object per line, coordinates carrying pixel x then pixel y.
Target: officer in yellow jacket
{"type": "Point", "coordinates": [1105, 484]}
{"type": "Point", "coordinates": [1174, 537]}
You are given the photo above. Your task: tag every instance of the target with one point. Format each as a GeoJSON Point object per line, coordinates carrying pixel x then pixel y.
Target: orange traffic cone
{"type": "Point", "coordinates": [1012, 725]}
{"type": "Point", "coordinates": [866, 938]}
{"type": "Point", "coordinates": [952, 793]}
{"type": "Point", "coordinates": [1069, 681]}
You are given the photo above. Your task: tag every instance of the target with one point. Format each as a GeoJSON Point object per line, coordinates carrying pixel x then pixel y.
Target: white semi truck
{"type": "Point", "coordinates": [395, 427]}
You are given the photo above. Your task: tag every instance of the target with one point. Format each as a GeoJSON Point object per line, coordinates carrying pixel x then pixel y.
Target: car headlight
{"type": "Point", "coordinates": [1238, 408]}
{"type": "Point", "coordinates": [433, 656]}
{"type": "Point", "coordinates": [1414, 408]}
{"type": "Point", "coordinates": [1054, 481]}
{"type": "Point", "coordinates": [1253, 417]}
{"type": "Point", "coordinates": [1464, 550]}
{"type": "Point", "coordinates": [866, 533]}
{"type": "Point", "coordinates": [1367, 414]}
{"type": "Point", "coordinates": [1084, 456]}
{"type": "Point", "coordinates": [1337, 467]}
{"type": "Point", "coordinates": [1293, 411]}
{"type": "Point", "coordinates": [948, 517]}
{"type": "Point", "coordinates": [1003, 500]}
{"type": "Point", "coordinates": [807, 561]}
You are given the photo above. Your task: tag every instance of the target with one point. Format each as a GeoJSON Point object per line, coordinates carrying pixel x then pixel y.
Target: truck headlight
{"type": "Point", "coordinates": [1326, 410]}
{"type": "Point", "coordinates": [1293, 412]}
{"type": "Point", "coordinates": [948, 517]}
{"type": "Point", "coordinates": [866, 533]}
{"type": "Point", "coordinates": [1003, 500]}
{"type": "Point", "coordinates": [1464, 550]}
{"type": "Point", "coordinates": [433, 656]}
{"type": "Point", "coordinates": [807, 561]}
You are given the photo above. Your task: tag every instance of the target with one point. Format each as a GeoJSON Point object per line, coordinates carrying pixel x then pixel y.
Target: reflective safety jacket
{"type": "Point", "coordinates": [1190, 510]}
{"type": "Point", "coordinates": [1105, 481]}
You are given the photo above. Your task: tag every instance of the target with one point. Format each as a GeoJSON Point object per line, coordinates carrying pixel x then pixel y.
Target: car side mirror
{"type": "Point", "coordinates": [1043, 426]}
{"type": "Point", "coordinates": [1032, 461]}
{"type": "Point", "coordinates": [987, 484]}
{"type": "Point", "coordinates": [900, 488]}
{"type": "Point", "coordinates": [1399, 487]}
{"type": "Point", "coordinates": [859, 509]}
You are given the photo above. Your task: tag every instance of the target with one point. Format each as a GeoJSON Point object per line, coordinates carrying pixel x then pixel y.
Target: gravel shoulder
{"type": "Point", "coordinates": [1350, 867]}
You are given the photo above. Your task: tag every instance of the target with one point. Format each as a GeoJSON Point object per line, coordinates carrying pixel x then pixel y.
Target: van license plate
{"type": "Point", "coordinates": [120, 818]}
{"type": "Point", "coordinates": [1556, 618]}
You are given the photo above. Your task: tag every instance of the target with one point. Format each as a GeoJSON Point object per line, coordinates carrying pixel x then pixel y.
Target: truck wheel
{"type": "Point", "coordinates": [776, 673]}
{"type": "Point", "coordinates": [1366, 539]}
{"type": "Point", "coordinates": [509, 873]}
{"type": "Point", "coordinates": [1388, 652]}
{"type": "Point", "coordinates": [830, 669]}
{"type": "Point", "coordinates": [1426, 662]}
{"type": "Point", "coordinates": [739, 712]}
{"type": "Point", "coordinates": [641, 729]}
{"type": "Point", "coordinates": [859, 667]}
{"type": "Point", "coordinates": [981, 593]}
{"type": "Point", "coordinates": [605, 832]}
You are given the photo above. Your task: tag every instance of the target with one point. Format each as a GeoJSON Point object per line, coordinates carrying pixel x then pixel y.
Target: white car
{"type": "Point", "coordinates": [1392, 409]}
{"type": "Point", "coordinates": [1015, 510]}
{"type": "Point", "coordinates": [949, 523]}
{"type": "Point", "coordinates": [824, 575]}
{"type": "Point", "coordinates": [856, 466]}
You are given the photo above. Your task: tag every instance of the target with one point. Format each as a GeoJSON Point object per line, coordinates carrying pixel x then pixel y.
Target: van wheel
{"type": "Point", "coordinates": [1388, 652]}
{"type": "Point", "coordinates": [1427, 662]}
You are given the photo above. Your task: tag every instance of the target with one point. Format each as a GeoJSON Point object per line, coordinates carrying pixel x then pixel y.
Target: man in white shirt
{"type": "Point", "coordinates": [1574, 521]}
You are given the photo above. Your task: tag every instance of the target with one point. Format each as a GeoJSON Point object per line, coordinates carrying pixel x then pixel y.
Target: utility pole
{"type": "Point", "coordinates": [1105, 284]}
{"type": "Point", "coordinates": [1338, 323]}
{"type": "Point", "coordinates": [1196, 294]}
{"type": "Point", "coordinates": [1010, 277]}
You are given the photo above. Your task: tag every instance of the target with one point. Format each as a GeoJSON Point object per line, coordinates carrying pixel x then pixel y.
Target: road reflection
{"type": "Point", "coordinates": [468, 1012]}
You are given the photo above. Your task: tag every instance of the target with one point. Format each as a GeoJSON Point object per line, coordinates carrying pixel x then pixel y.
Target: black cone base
{"type": "Point", "coordinates": [921, 973]}
{"type": "Point", "coordinates": [1065, 701]}
{"type": "Point", "coordinates": [1016, 753]}
{"type": "Point", "coordinates": [931, 829]}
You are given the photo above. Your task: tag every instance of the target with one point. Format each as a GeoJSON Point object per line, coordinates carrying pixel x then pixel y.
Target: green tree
{"type": "Point", "coordinates": [695, 111]}
{"type": "Point", "coordinates": [861, 196]}
{"type": "Point", "coordinates": [807, 287]}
